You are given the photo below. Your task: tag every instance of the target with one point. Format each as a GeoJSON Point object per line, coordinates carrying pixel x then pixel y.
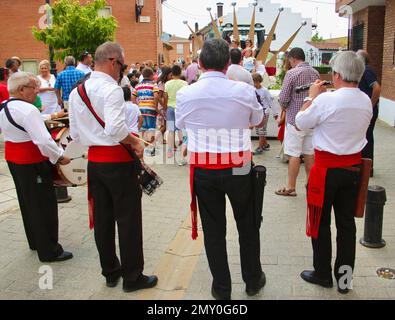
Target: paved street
{"type": "Point", "coordinates": [181, 263]}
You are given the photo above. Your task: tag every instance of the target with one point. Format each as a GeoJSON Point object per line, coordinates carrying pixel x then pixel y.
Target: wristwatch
{"type": "Point", "coordinates": [307, 99]}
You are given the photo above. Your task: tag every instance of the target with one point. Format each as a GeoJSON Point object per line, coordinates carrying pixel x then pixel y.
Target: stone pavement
{"type": "Point", "coordinates": [180, 262]}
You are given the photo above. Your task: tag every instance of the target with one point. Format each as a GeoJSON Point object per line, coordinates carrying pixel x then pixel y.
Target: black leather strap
{"type": "Point", "coordinates": [4, 106]}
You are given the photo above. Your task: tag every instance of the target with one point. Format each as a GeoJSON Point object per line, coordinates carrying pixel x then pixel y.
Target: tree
{"type": "Point", "coordinates": [317, 38]}
{"type": "Point", "coordinates": [76, 28]}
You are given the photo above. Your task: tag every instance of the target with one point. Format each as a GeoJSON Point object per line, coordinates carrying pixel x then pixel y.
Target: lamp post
{"type": "Point", "coordinates": [51, 52]}
{"type": "Point", "coordinates": [139, 8]}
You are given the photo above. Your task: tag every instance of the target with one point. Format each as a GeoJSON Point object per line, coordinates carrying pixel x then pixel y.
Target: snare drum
{"type": "Point", "coordinates": [74, 173]}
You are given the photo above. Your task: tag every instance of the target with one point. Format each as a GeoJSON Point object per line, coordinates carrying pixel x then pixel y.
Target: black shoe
{"type": "Point", "coordinates": [342, 291]}
{"type": "Point", "coordinates": [65, 255]}
{"type": "Point", "coordinates": [112, 282]}
{"type": "Point", "coordinates": [144, 282]}
{"type": "Point", "coordinates": [309, 276]}
{"type": "Point", "coordinates": [253, 289]}
{"type": "Point", "coordinates": [219, 295]}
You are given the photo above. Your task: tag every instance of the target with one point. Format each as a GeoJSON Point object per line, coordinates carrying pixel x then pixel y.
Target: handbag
{"type": "Point", "coordinates": [148, 179]}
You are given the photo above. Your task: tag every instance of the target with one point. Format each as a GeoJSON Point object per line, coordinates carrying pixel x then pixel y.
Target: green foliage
{"type": "Point", "coordinates": [317, 38]}
{"type": "Point", "coordinates": [76, 28]}
{"type": "Point", "coordinates": [323, 69]}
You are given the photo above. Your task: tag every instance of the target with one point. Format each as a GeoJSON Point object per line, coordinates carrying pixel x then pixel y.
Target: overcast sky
{"type": "Point", "coordinates": [320, 11]}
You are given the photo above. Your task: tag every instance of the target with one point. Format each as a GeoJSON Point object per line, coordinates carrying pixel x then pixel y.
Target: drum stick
{"type": "Point", "coordinates": [146, 142]}
{"type": "Point", "coordinates": [84, 156]}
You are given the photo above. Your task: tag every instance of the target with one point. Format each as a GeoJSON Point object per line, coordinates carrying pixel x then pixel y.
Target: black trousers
{"type": "Point", "coordinates": [39, 208]}
{"type": "Point", "coordinates": [341, 188]}
{"type": "Point", "coordinates": [117, 199]}
{"type": "Point", "coordinates": [211, 187]}
{"type": "Point", "coordinates": [368, 151]}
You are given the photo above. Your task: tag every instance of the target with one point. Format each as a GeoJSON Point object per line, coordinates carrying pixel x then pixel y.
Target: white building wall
{"type": "Point", "coordinates": [387, 111]}
{"type": "Point", "coordinates": [288, 23]}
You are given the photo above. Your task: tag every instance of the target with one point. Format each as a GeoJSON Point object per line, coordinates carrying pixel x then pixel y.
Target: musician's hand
{"type": "Point", "coordinates": [316, 89]}
{"type": "Point", "coordinates": [62, 113]}
{"type": "Point", "coordinates": [64, 160]}
{"type": "Point", "coordinates": [60, 102]}
{"type": "Point", "coordinates": [139, 150]}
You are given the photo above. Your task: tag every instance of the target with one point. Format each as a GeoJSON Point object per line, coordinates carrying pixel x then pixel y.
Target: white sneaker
{"type": "Point", "coordinates": [183, 162]}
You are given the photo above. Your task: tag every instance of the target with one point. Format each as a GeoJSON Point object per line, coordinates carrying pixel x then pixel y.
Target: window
{"type": "Point", "coordinates": [180, 48]}
{"type": "Point", "coordinates": [30, 66]}
{"type": "Point", "coordinates": [105, 12]}
{"type": "Point", "coordinates": [357, 37]}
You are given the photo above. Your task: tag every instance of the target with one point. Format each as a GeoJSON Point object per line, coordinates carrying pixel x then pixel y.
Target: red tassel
{"type": "Point", "coordinates": [313, 221]}
{"type": "Point", "coordinates": [91, 205]}
{"type": "Point", "coordinates": [194, 225]}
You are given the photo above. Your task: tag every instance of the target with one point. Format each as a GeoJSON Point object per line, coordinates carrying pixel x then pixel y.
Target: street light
{"type": "Point", "coordinates": [139, 8]}
{"type": "Point", "coordinates": [51, 52]}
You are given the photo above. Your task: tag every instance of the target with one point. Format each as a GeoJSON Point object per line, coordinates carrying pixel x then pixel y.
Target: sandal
{"type": "Point", "coordinates": [286, 192]}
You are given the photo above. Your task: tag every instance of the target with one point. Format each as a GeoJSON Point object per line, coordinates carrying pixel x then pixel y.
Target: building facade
{"type": "Point", "coordinates": [181, 50]}
{"type": "Point", "coordinates": [265, 14]}
{"type": "Point", "coordinates": [372, 28]}
{"type": "Point", "coordinates": [140, 40]}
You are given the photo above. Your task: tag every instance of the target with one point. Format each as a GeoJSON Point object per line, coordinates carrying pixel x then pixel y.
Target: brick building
{"type": "Point", "coordinates": [372, 27]}
{"type": "Point", "coordinates": [181, 50]}
{"type": "Point", "coordinates": [141, 40]}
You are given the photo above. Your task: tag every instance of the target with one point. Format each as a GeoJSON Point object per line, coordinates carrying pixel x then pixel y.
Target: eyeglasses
{"type": "Point", "coordinates": [31, 87]}
{"type": "Point", "coordinates": [117, 61]}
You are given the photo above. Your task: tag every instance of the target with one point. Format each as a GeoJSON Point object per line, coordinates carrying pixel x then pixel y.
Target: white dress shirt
{"type": "Point", "coordinates": [132, 116]}
{"type": "Point", "coordinates": [340, 120]}
{"type": "Point", "coordinates": [108, 102]}
{"type": "Point", "coordinates": [238, 73]}
{"type": "Point", "coordinates": [217, 112]}
{"type": "Point", "coordinates": [28, 117]}
{"type": "Point", "coordinates": [84, 68]}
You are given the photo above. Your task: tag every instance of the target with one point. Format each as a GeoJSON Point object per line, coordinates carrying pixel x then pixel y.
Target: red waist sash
{"type": "Point", "coordinates": [316, 186]}
{"type": "Point", "coordinates": [212, 161]}
{"type": "Point", "coordinates": [109, 154]}
{"type": "Point", "coordinates": [23, 153]}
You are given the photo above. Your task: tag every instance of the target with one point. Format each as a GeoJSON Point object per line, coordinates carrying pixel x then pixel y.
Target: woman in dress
{"type": "Point", "coordinates": [47, 91]}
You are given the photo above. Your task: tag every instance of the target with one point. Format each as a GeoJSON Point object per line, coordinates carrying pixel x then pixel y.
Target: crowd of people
{"type": "Point", "coordinates": [223, 95]}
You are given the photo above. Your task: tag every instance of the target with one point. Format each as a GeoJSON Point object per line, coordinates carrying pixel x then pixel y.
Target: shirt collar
{"type": "Point", "coordinates": [102, 75]}
{"type": "Point", "coordinates": [212, 74]}
{"type": "Point", "coordinates": [70, 68]}
{"type": "Point", "coordinates": [302, 64]}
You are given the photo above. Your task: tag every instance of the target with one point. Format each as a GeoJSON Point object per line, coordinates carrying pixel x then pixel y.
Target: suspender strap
{"type": "Point", "coordinates": [8, 114]}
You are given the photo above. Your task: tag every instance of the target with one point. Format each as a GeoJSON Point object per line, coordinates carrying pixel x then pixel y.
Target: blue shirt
{"type": "Point", "coordinates": [66, 80]}
{"type": "Point", "coordinates": [369, 79]}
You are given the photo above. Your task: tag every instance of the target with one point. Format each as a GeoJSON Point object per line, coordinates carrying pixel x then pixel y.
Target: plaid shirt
{"type": "Point", "coordinates": [66, 80]}
{"type": "Point", "coordinates": [302, 74]}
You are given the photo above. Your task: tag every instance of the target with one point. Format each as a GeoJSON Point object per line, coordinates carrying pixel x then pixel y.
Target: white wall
{"type": "Point", "coordinates": [387, 111]}
{"type": "Point", "coordinates": [288, 23]}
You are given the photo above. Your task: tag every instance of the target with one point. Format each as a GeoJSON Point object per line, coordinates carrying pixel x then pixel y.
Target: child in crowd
{"type": "Point", "coordinates": [134, 119]}
{"type": "Point", "coordinates": [266, 100]}
{"type": "Point", "coordinates": [145, 95]}
{"type": "Point", "coordinates": [171, 89]}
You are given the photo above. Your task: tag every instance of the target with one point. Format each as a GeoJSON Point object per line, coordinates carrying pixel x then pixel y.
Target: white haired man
{"type": "Point", "coordinates": [29, 152]}
{"type": "Point", "coordinates": [340, 120]}
{"type": "Point", "coordinates": [114, 192]}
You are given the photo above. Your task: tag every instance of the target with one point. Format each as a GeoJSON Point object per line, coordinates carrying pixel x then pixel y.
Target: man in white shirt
{"type": "Point", "coordinates": [85, 63]}
{"type": "Point", "coordinates": [216, 114]}
{"type": "Point", "coordinates": [340, 120]}
{"type": "Point", "coordinates": [114, 193]}
{"type": "Point", "coordinates": [29, 152]}
{"type": "Point", "coordinates": [236, 71]}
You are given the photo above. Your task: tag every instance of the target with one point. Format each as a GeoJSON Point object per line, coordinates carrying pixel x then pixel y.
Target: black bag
{"type": "Point", "coordinates": [258, 176]}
